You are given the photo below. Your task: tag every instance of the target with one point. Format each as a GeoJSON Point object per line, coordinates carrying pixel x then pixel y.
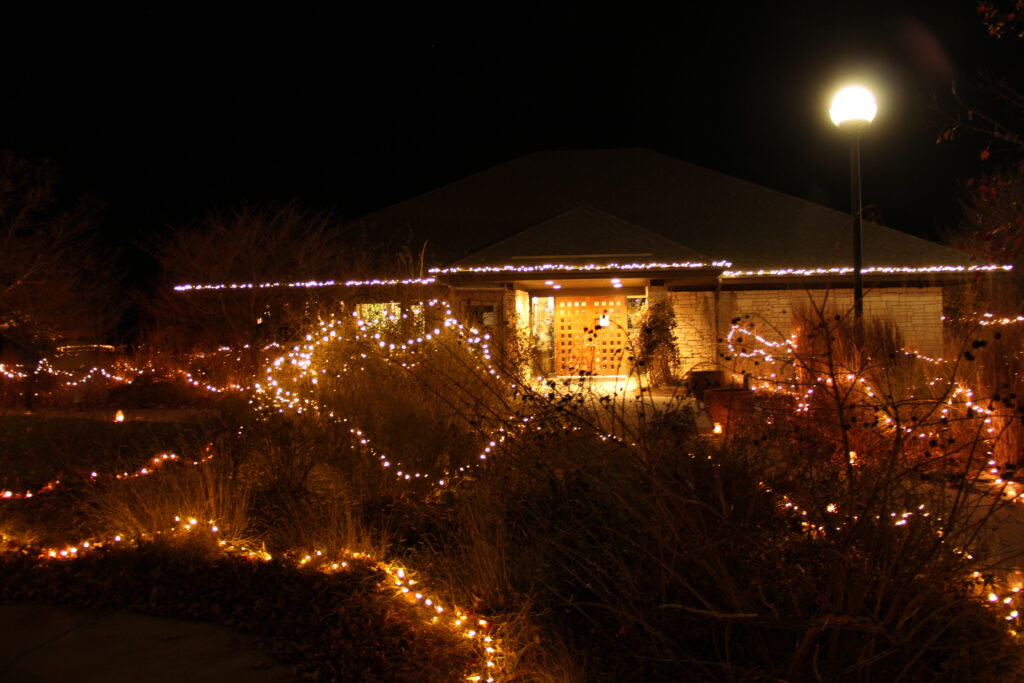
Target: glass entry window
{"type": "Point", "coordinates": [590, 334]}
{"type": "Point", "coordinates": [542, 327]}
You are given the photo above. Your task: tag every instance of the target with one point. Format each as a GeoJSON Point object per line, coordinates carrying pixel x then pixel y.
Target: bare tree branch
{"type": "Point", "coordinates": [53, 286]}
{"type": "Point", "coordinates": [278, 244]}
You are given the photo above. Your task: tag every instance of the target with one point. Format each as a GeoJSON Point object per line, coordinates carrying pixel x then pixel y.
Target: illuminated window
{"type": "Point", "coordinates": [481, 314]}
{"type": "Point", "coordinates": [380, 312]}
{"type": "Point", "coordinates": [635, 306]}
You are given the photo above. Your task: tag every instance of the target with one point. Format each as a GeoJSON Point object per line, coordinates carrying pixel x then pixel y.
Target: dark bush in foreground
{"type": "Point", "coordinates": [678, 560]}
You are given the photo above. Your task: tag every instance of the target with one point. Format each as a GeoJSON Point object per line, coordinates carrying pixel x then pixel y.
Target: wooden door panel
{"type": "Point", "coordinates": [590, 335]}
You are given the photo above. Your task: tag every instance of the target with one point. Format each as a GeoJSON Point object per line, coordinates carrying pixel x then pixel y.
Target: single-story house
{"type": "Point", "coordinates": [566, 248]}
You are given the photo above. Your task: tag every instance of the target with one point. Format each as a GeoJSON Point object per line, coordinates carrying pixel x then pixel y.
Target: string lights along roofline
{"type": "Point", "coordinates": [579, 268]}
{"type": "Point", "coordinates": [308, 284]}
{"type": "Point", "coordinates": [870, 270]}
{"type": "Point", "coordinates": [765, 272]}
{"type": "Point", "coordinates": [552, 268]}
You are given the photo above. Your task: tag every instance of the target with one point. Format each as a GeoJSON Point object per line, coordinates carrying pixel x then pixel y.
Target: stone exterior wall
{"type": "Point", "coordinates": [695, 329]}
{"type": "Point", "coordinates": [917, 312]}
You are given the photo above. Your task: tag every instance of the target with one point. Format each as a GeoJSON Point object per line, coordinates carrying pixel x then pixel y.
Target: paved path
{"type": "Point", "coordinates": [1005, 539]}
{"type": "Point", "coordinates": [45, 644]}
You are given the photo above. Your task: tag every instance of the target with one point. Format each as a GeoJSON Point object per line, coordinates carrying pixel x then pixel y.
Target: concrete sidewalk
{"type": "Point", "coordinates": [46, 644]}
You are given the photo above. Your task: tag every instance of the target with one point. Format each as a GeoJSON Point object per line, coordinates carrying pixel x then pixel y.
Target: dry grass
{"type": "Point", "coordinates": [427, 407]}
{"type": "Point", "coordinates": [141, 506]}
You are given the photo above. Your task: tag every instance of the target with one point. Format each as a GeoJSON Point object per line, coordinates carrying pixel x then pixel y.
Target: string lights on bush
{"type": "Point", "coordinates": [150, 467]}
{"type": "Point", "coordinates": [291, 380]}
{"type": "Point", "coordinates": [958, 403]}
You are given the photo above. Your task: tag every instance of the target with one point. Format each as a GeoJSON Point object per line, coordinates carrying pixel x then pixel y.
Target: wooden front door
{"type": "Point", "coordinates": [590, 335]}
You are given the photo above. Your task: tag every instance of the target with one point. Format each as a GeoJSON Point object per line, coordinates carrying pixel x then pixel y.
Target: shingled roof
{"type": "Point", "coordinates": [583, 234]}
{"type": "Point", "coordinates": [692, 208]}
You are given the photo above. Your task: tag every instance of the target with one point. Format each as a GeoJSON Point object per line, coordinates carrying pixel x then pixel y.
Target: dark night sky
{"type": "Point", "coordinates": [166, 114]}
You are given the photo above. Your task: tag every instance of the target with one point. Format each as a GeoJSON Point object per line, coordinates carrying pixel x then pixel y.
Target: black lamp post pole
{"type": "Point", "coordinates": [855, 201]}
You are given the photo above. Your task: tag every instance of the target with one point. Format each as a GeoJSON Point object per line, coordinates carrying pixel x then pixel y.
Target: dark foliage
{"type": "Point", "coordinates": [335, 627]}
{"type": "Point", "coordinates": [656, 348]}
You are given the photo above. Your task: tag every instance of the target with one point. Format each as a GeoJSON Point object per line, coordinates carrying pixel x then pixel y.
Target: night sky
{"type": "Point", "coordinates": [166, 114]}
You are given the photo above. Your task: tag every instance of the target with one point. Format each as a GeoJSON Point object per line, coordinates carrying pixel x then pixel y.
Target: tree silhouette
{"type": "Point", "coordinates": [283, 245]}
{"type": "Point", "coordinates": [54, 288]}
{"type": "Point", "coordinates": [989, 111]}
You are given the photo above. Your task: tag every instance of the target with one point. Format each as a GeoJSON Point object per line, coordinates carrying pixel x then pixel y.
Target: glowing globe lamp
{"type": "Point", "coordinates": [853, 106]}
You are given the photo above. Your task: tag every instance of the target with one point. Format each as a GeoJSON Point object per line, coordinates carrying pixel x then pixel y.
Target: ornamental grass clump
{"type": "Point", "coordinates": [859, 387]}
{"type": "Point", "coordinates": [422, 401]}
{"type": "Point", "coordinates": [140, 506]}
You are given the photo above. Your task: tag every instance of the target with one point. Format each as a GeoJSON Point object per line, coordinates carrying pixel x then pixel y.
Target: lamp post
{"type": "Point", "coordinates": [853, 108]}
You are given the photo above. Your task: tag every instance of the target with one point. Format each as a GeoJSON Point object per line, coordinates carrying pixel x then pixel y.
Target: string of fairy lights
{"type": "Point", "coordinates": [403, 583]}
{"type": "Point", "coordinates": [305, 284]}
{"type": "Point", "coordinates": [999, 594]}
{"type": "Point", "coordinates": [869, 270]}
{"type": "Point", "coordinates": [1002, 596]}
{"type": "Point", "coordinates": [288, 376]}
{"type": "Point", "coordinates": [121, 373]}
{"type": "Point", "coordinates": [554, 268]}
{"type": "Point", "coordinates": [150, 467]}
{"type": "Point", "coordinates": [598, 268]}
{"type": "Point", "coordinates": [299, 356]}
{"type": "Point", "coordinates": [958, 401]}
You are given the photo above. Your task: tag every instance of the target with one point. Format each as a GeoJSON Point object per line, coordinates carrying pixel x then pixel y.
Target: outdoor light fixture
{"type": "Point", "coordinates": [853, 108]}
